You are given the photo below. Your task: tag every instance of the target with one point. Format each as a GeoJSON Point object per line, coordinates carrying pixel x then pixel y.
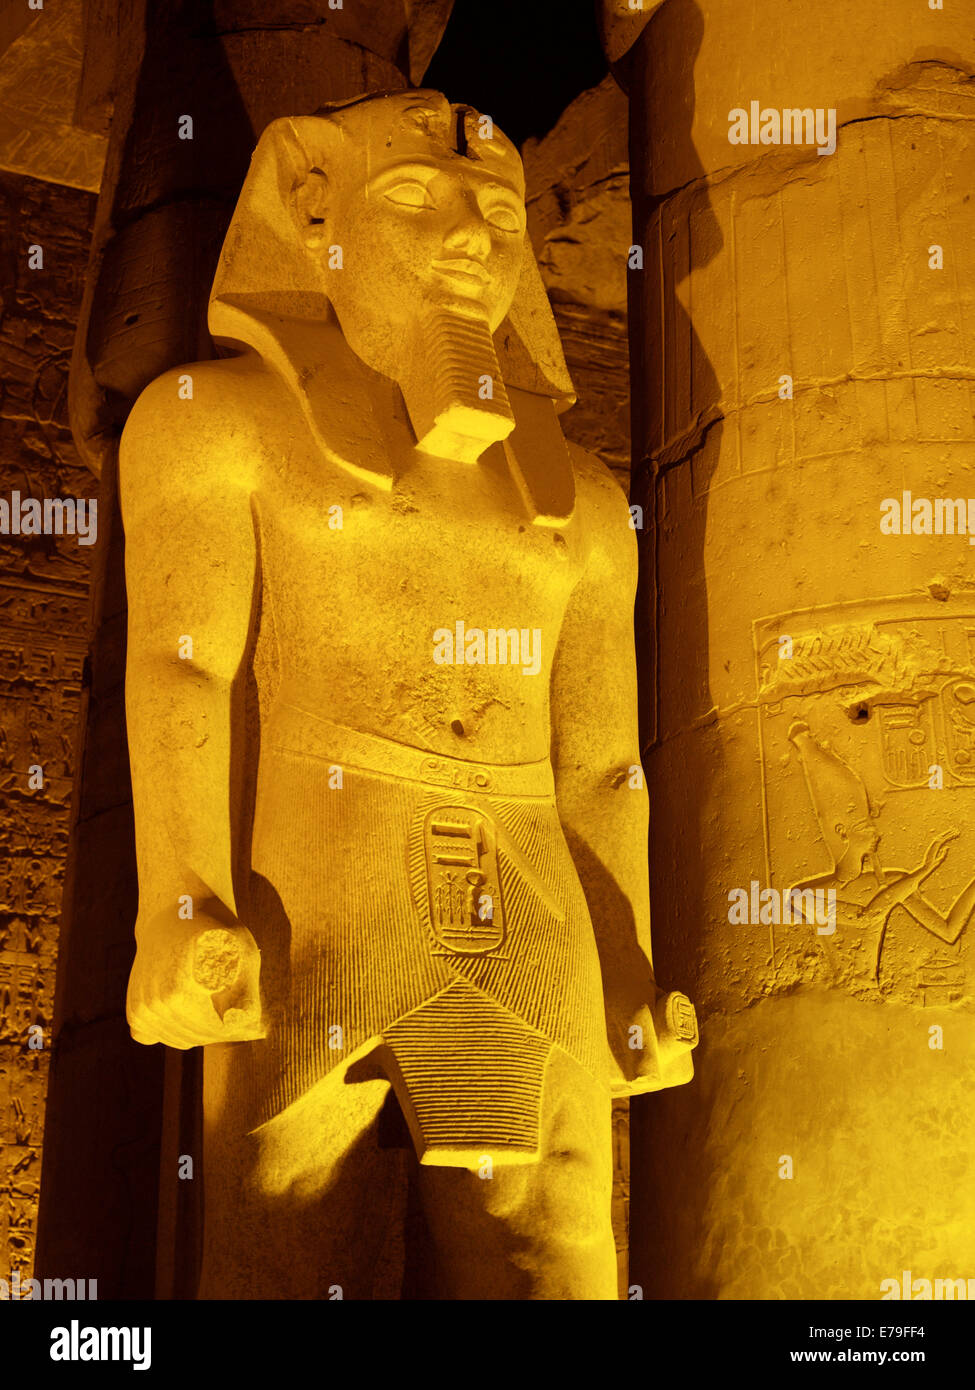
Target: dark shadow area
{"type": "Point", "coordinates": [670, 478]}
{"type": "Point", "coordinates": [519, 63]}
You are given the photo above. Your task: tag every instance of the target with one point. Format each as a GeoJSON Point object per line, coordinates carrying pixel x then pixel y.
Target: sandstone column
{"type": "Point", "coordinates": [802, 347]}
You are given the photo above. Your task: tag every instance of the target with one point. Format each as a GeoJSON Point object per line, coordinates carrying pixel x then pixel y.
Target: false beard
{"type": "Point", "coordinates": [453, 388]}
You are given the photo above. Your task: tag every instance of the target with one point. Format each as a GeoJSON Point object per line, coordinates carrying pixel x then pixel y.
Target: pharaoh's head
{"type": "Point", "coordinates": [429, 213]}
{"type": "Point", "coordinates": [403, 217]}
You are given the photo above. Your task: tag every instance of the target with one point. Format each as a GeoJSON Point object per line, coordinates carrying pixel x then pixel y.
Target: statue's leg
{"type": "Point", "coordinates": [308, 1206]}
{"type": "Point", "coordinates": [533, 1231]}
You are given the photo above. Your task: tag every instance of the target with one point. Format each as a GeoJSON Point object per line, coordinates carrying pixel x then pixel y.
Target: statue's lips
{"type": "Point", "coordinates": [465, 271]}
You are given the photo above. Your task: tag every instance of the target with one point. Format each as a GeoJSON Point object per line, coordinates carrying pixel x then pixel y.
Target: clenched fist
{"type": "Point", "coordinates": [194, 982]}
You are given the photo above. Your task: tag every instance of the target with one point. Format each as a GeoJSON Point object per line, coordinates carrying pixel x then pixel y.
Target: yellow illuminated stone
{"type": "Point", "coordinates": [381, 693]}
{"type": "Point", "coordinates": [803, 308]}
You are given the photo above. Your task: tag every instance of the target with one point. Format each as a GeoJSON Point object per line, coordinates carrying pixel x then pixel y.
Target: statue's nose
{"type": "Point", "coordinates": [470, 233]}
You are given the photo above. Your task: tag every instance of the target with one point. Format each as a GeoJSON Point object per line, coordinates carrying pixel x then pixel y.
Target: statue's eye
{"type": "Point", "coordinates": [409, 194]}
{"type": "Point", "coordinates": [505, 219]}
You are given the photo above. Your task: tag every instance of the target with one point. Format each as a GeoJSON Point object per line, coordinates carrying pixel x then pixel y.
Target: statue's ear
{"type": "Point", "coordinates": [265, 265]}
{"type": "Point", "coordinates": [309, 202]}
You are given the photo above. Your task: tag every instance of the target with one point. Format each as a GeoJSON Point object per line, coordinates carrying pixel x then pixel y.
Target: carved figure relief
{"type": "Point", "coordinates": [869, 708]}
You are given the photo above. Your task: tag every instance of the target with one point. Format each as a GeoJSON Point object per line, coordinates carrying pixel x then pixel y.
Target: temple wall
{"type": "Point", "coordinates": [579, 218]}
{"type": "Point", "coordinates": [43, 623]}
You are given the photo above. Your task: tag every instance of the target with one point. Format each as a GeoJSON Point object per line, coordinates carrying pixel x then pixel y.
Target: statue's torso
{"type": "Point", "coordinates": [375, 878]}
{"type": "Point", "coordinates": [356, 580]}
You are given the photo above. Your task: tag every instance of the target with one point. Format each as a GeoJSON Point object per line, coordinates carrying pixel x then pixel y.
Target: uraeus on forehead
{"type": "Point", "coordinates": [477, 137]}
{"type": "Point", "coordinates": [431, 120]}
{"type": "Point", "coordinates": [424, 137]}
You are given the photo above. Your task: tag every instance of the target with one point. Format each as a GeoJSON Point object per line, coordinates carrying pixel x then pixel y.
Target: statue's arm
{"type": "Point", "coordinates": [601, 791]}
{"type": "Point", "coordinates": [190, 573]}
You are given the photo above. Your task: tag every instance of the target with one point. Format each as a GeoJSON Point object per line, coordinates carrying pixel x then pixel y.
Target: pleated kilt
{"type": "Point", "coordinates": [426, 908]}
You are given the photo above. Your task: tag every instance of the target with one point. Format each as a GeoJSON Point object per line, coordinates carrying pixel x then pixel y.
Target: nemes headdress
{"type": "Point", "coordinates": [268, 292]}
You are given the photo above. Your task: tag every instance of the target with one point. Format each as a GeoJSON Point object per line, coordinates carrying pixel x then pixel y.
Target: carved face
{"type": "Point", "coordinates": [864, 837]}
{"type": "Point", "coordinates": [429, 216]}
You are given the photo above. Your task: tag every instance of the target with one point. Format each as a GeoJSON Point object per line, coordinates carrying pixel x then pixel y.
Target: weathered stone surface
{"type": "Point", "coordinates": [14, 19]}
{"type": "Point", "coordinates": [43, 633]}
{"type": "Point", "coordinates": [798, 358]}
{"type": "Point", "coordinates": [621, 23]}
{"type": "Point", "coordinates": [579, 219]}
{"type": "Point", "coordinates": [39, 77]}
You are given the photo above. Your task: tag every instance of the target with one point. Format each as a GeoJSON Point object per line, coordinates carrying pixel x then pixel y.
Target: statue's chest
{"type": "Point", "coordinates": [444, 538]}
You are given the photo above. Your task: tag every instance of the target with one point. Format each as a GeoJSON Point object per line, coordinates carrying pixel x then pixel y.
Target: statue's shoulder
{"type": "Point", "coordinates": [199, 421]}
{"type": "Point", "coordinates": [601, 503]}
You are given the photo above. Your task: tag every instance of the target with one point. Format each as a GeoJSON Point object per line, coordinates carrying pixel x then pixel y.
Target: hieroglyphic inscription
{"type": "Point", "coordinates": [43, 623]}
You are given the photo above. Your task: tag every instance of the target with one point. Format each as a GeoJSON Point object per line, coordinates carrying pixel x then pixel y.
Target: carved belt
{"type": "Point", "coordinates": [294, 730]}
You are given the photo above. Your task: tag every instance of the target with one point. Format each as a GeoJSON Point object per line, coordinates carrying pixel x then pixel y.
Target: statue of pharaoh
{"type": "Point", "coordinates": [381, 699]}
